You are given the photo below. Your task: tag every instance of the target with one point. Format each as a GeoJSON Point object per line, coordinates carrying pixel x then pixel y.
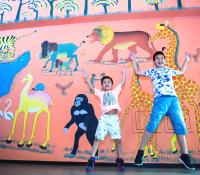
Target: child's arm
{"type": "Point", "coordinates": [85, 75]}
{"type": "Point", "coordinates": [123, 76]}
{"type": "Point", "coordinates": [184, 66]}
{"type": "Point", "coordinates": [135, 65]}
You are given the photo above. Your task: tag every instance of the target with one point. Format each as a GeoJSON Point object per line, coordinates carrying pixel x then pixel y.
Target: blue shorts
{"type": "Point", "coordinates": [169, 106]}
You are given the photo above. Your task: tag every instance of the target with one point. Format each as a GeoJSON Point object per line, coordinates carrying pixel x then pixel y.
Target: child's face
{"type": "Point", "coordinates": [159, 61]}
{"type": "Point", "coordinates": [107, 84]}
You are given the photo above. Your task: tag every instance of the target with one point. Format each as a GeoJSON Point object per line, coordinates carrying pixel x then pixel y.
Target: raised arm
{"type": "Point", "coordinates": [85, 75]}
{"type": "Point", "coordinates": [135, 65]}
{"type": "Point", "coordinates": [123, 76]}
{"type": "Point", "coordinates": [184, 66]}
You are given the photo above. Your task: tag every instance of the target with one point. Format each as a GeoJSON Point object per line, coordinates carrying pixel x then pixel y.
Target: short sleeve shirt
{"type": "Point", "coordinates": [162, 81]}
{"type": "Point", "coordinates": [109, 99]}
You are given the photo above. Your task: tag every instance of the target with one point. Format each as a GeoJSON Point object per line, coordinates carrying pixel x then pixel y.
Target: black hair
{"type": "Point", "coordinates": [106, 77]}
{"type": "Point", "coordinates": [159, 53]}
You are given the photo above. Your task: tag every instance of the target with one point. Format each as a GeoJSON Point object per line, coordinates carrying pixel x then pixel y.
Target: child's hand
{"type": "Point", "coordinates": [84, 73]}
{"type": "Point", "coordinates": [187, 57]}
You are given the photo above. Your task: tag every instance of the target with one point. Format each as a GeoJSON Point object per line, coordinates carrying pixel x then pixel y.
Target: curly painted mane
{"type": "Point", "coordinates": [105, 34]}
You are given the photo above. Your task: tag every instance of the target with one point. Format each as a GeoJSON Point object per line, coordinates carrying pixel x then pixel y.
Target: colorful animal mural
{"type": "Point", "coordinates": [52, 50]}
{"type": "Point", "coordinates": [63, 63]}
{"type": "Point", "coordinates": [116, 41]}
{"type": "Point", "coordinates": [63, 88]}
{"type": "Point", "coordinates": [46, 9]}
{"type": "Point", "coordinates": [32, 126]}
{"type": "Point", "coordinates": [84, 117]}
{"type": "Point", "coordinates": [8, 115]}
{"type": "Point", "coordinates": [9, 71]}
{"type": "Point", "coordinates": [36, 102]}
{"type": "Point", "coordinates": [7, 46]}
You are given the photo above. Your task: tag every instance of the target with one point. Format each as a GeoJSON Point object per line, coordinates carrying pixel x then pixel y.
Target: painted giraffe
{"type": "Point", "coordinates": [186, 89]}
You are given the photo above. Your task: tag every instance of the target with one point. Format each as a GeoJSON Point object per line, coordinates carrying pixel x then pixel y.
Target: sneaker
{"type": "Point", "coordinates": [90, 164]}
{"type": "Point", "coordinates": [139, 157]}
{"type": "Point", "coordinates": [185, 160]}
{"type": "Point", "coordinates": [120, 164]}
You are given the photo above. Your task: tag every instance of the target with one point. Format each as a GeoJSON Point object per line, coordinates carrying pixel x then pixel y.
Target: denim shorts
{"type": "Point", "coordinates": [167, 106]}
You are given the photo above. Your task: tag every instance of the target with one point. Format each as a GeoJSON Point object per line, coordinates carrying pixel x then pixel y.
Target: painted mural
{"type": "Point", "coordinates": [47, 111]}
{"type": "Point", "coordinates": [27, 10]}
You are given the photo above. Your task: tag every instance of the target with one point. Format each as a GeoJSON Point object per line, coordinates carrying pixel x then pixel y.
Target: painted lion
{"type": "Point", "coordinates": [120, 40]}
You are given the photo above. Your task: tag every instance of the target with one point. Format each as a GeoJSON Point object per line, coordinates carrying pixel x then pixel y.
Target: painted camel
{"type": "Point", "coordinates": [187, 90]}
{"type": "Point", "coordinates": [37, 102]}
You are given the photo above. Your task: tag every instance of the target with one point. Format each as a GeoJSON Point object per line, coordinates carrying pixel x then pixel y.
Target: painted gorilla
{"type": "Point", "coordinates": [84, 117]}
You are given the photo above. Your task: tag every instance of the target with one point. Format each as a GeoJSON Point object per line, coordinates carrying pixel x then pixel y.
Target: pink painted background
{"type": "Point", "coordinates": [120, 8]}
{"type": "Point", "coordinates": [188, 31]}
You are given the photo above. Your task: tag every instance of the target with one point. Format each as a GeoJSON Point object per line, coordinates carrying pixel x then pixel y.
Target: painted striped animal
{"type": "Point", "coordinates": [7, 46]}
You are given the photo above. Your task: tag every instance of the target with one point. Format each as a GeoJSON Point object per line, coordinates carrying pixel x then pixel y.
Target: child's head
{"type": "Point", "coordinates": [159, 59]}
{"type": "Point", "coordinates": [106, 83]}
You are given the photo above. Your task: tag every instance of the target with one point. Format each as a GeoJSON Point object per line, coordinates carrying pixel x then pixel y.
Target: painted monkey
{"type": "Point", "coordinates": [84, 117]}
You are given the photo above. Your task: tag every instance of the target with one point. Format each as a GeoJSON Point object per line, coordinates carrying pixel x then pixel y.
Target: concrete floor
{"type": "Point", "coordinates": [35, 169]}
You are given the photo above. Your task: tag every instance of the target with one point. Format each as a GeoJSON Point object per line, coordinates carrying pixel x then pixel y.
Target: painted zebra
{"type": "Point", "coordinates": [7, 46]}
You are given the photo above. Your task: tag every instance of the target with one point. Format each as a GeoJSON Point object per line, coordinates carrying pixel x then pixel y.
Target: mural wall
{"type": "Point", "coordinates": [46, 109]}
{"type": "Point", "coordinates": [27, 10]}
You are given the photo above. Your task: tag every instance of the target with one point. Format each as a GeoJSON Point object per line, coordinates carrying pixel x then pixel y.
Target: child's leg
{"type": "Point", "coordinates": [160, 107]}
{"type": "Point", "coordinates": [95, 147]}
{"type": "Point", "coordinates": [91, 161]}
{"type": "Point", "coordinates": [118, 147]}
{"type": "Point", "coordinates": [145, 139]}
{"type": "Point", "coordinates": [138, 159]}
{"type": "Point", "coordinates": [183, 143]}
{"type": "Point", "coordinates": [100, 134]}
{"type": "Point", "coordinates": [115, 134]}
{"type": "Point", "coordinates": [185, 158]}
{"type": "Point", "coordinates": [159, 110]}
{"type": "Point", "coordinates": [119, 161]}
{"type": "Point", "coordinates": [176, 115]}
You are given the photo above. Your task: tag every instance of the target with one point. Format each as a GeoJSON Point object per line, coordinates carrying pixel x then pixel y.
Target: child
{"type": "Point", "coordinates": [109, 121]}
{"type": "Point", "coordinates": [165, 103]}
